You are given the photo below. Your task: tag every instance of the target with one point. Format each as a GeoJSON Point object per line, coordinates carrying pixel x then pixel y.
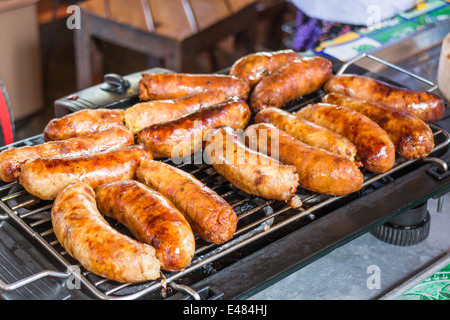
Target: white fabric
{"type": "Point", "coordinates": [355, 12]}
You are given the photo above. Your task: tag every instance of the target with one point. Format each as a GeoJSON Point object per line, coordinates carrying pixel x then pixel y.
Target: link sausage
{"type": "Point", "coordinates": [376, 150]}
{"type": "Point", "coordinates": [151, 218]}
{"type": "Point", "coordinates": [12, 159]}
{"type": "Point", "coordinates": [184, 136]}
{"type": "Point", "coordinates": [101, 249]}
{"type": "Point", "coordinates": [427, 106]}
{"type": "Point", "coordinates": [319, 170]}
{"type": "Point", "coordinates": [411, 136]}
{"type": "Point", "coordinates": [209, 215]}
{"type": "Point", "coordinates": [46, 177]}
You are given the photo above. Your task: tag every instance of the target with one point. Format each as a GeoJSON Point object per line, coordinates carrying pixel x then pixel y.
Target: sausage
{"type": "Point", "coordinates": [294, 80]}
{"type": "Point", "coordinates": [151, 218]}
{"type": "Point", "coordinates": [319, 170]}
{"type": "Point", "coordinates": [425, 105]}
{"type": "Point", "coordinates": [46, 177]}
{"type": "Point", "coordinates": [12, 159]}
{"type": "Point", "coordinates": [101, 249]}
{"type": "Point", "coordinates": [255, 66]}
{"type": "Point", "coordinates": [82, 122]}
{"type": "Point", "coordinates": [249, 170]}
{"type": "Point", "coordinates": [158, 86]}
{"type": "Point", "coordinates": [307, 132]}
{"type": "Point", "coordinates": [411, 136]}
{"type": "Point", "coordinates": [144, 114]}
{"type": "Point", "coordinates": [208, 214]}
{"type": "Point", "coordinates": [376, 150]}
{"type": "Point", "coordinates": [184, 136]}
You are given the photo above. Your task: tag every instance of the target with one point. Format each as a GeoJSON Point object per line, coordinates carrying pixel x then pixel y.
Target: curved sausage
{"type": "Point", "coordinates": [294, 80]}
{"type": "Point", "coordinates": [209, 215]}
{"type": "Point", "coordinates": [411, 136]}
{"type": "Point", "coordinates": [144, 114]}
{"type": "Point", "coordinates": [184, 136]}
{"type": "Point", "coordinates": [249, 170]}
{"type": "Point", "coordinates": [319, 170]}
{"type": "Point", "coordinates": [307, 132]}
{"type": "Point", "coordinates": [151, 218]}
{"type": "Point", "coordinates": [101, 249]}
{"type": "Point", "coordinates": [376, 151]}
{"type": "Point", "coordinates": [159, 86]}
{"type": "Point", "coordinates": [427, 106]}
{"type": "Point", "coordinates": [46, 177]}
{"type": "Point", "coordinates": [255, 66]}
{"type": "Point", "coordinates": [12, 159]}
{"type": "Point", "coordinates": [82, 122]}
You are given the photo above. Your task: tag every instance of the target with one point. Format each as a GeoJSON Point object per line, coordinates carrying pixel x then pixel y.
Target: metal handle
{"type": "Point", "coordinates": [20, 283]}
{"type": "Point", "coordinates": [390, 65]}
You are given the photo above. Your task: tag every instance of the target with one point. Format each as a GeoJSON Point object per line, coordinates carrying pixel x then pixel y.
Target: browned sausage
{"type": "Point", "coordinates": [307, 132]}
{"type": "Point", "coordinates": [159, 86]}
{"type": "Point", "coordinates": [411, 136]}
{"type": "Point", "coordinates": [12, 159]}
{"type": "Point", "coordinates": [151, 218]}
{"type": "Point", "coordinates": [376, 151]}
{"type": "Point", "coordinates": [427, 106]}
{"type": "Point", "coordinates": [46, 177]}
{"type": "Point", "coordinates": [82, 122]}
{"type": "Point", "coordinates": [255, 66]}
{"type": "Point", "coordinates": [209, 215]}
{"type": "Point", "coordinates": [144, 114]}
{"type": "Point", "coordinates": [294, 80]}
{"type": "Point", "coordinates": [184, 136]}
{"type": "Point", "coordinates": [319, 170]}
{"type": "Point", "coordinates": [101, 249]}
{"type": "Point", "coordinates": [249, 170]}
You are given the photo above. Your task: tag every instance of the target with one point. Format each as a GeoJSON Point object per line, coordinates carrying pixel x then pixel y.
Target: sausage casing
{"type": "Point", "coordinates": [376, 150]}
{"type": "Point", "coordinates": [46, 177]}
{"type": "Point", "coordinates": [12, 159]}
{"type": "Point", "coordinates": [144, 114]}
{"type": "Point", "coordinates": [208, 214]}
{"type": "Point", "coordinates": [425, 105]}
{"type": "Point", "coordinates": [159, 86]}
{"type": "Point", "coordinates": [82, 122]}
{"type": "Point", "coordinates": [249, 170]}
{"type": "Point", "coordinates": [255, 66]}
{"type": "Point", "coordinates": [307, 132]}
{"type": "Point", "coordinates": [184, 136]}
{"type": "Point", "coordinates": [294, 80]}
{"type": "Point", "coordinates": [411, 136]}
{"type": "Point", "coordinates": [319, 170]}
{"type": "Point", "coordinates": [151, 218]}
{"type": "Point", "coordinates": [101, 249]}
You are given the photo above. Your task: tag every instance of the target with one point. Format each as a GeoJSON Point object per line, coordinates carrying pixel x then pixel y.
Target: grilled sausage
{"type": "Point", "coordinates": [319, 170]}
{"type": "Point", "coordinates": [12, 159]}
{"type": "Point", "coordinates": [376, 151]}
{"type": "Point", "coordinates": [101, 249]}
{"type": "Point", "coordinates": [82, 122]}
{"type": "Point", "coordinates": [249, 170]}
{"type": "Point", "coordinates": [184, 136]}
{"type": "Point", "coordinates": [294, 80]}
{"type": "Point", "coordinates": [151, 218]}
{"type": "Point", "coordinates": [209, 215]}
{"type": "Point", "coordinates": [144, 114]}
{"type": "Point", "coordinates": [45, 177]}
{"type": "Point", "coordinates": [255, 66]}
{"type": "Point", "coordinates": [411, 136]}
{"type": "Point", "coordinates": [159, 86]}
{"type": "Point", "coordinates": [307, 132]}
{"type": "Point", "coordinates": [427, 106]}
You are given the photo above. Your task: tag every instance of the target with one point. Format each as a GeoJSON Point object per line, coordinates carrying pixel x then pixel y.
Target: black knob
{"type": "Point", "coordinates": [115, 83]}
{"type": "Point", "coordinates": [409, 228]}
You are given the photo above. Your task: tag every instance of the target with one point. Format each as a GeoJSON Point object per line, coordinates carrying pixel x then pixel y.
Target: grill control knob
{"type": "Point", "coordinates": [409, 228]}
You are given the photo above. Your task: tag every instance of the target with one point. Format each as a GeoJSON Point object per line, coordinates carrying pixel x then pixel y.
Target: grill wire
{"type": "Point", "coordinates": [258, 218]}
